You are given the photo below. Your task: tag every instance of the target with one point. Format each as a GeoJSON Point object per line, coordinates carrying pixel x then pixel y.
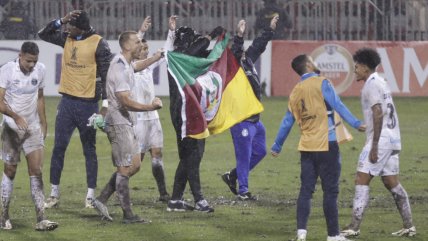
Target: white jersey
{"type": "Point", "coordinates": [144, 90]}
{"type": "Point", "coordinates": [22, 91]}
{"type": "Point", "coordinates": [120, 78]}
{"type": "Point", "coordinates": [376, 91]}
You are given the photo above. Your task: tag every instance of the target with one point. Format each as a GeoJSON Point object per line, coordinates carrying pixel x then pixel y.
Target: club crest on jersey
{"type": "Point", "coordinates": [73, 54]}
{"type": "Point", "coordinates": [244, 132]}
{"type": "Point", "coordinates": [34, 82]}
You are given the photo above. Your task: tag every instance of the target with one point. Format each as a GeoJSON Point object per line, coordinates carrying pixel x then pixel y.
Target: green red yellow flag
{"type": "Point", "coordinates": [215, 91]}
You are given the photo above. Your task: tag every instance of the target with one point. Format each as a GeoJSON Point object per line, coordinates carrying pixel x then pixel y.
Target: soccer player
{"type": "Point", "coordinates": [119, 122]}
{"type": "Point", "coordinates": [148, 127]}
{"type": "Point", "coordinates": [86, 55]}
{"type": "Point", "coordinates": [379, 156]}
{"type": "Point", "coordinates": [312, 104]}
{"type": "Point", "coordinates": [24, 130]}
{"type": "Point", "coordinates": [249, 136]}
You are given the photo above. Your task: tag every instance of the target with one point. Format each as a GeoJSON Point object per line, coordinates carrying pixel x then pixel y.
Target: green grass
{"type": "Point", "coordinates": [276, 181]}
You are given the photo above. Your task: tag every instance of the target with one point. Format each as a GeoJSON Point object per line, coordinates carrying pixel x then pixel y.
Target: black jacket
{"type": "Point", "coordinates": [199, 49]}
{"type": "Point", "coordinates": [257, 47]}
{"type": "Point", "coordinates": [53, 34]}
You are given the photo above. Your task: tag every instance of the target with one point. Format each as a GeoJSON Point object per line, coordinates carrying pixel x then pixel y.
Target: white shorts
{"type": "Point", "coordinates": [149, 134]}
{"type": "Point", "coordinates": [124, 145]}
{"type": "Point", "coordinates": [386, 165]}
{"type": "Point", "coordinates": [14, 141]}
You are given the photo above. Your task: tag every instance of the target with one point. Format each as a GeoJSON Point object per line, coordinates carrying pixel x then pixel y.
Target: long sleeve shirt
{"type": "Point", "coordinates": [332, 100]}
{"type": "Point", "coordinates": [52, 33]}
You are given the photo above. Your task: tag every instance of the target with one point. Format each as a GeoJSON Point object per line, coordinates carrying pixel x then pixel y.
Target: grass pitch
{"type": "Point", "coordinates": [275, 181]}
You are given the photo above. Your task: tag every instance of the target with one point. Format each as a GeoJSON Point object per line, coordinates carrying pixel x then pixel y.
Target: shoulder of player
{"type": "Point", "coordinates": [9, 65]}
{"type": "Point", "coordinates": [40, 66]}
{"type": "Point", "coordinates": [118, 62]}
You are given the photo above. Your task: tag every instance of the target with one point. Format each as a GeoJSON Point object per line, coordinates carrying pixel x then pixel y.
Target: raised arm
{"type": "Point", "coordinates": [142, 64]}
{"type": "Point", "coordinates": [172, 25]}
{"type": "Point", "coordinates": [145, 26]}
{"type": "Point", "coordinates": [52, 32]}
{"type": "Point", "coordinates": [238, 40]}
{"type": "Point", "coordinates": [258, 45]}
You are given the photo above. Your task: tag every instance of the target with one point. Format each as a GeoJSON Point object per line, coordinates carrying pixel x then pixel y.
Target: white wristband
{"type": "Point", "coordinates": [105, 103]}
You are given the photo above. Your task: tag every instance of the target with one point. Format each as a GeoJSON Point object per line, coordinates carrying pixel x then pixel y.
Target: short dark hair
{"type": "Point", "coordinates": [29, 48]}
{"type": "Point", "coordinates": [368, 57]}
{"type": "Point", "coordinates": [124, 37]}
{"type": "Point", "coordinates": [299, 64]}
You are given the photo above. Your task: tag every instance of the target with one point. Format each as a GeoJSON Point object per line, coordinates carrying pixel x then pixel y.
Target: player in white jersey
{"type": "Point", "coordinates": [379, 156]}
{"type": "Point", "coordinates": [148, 127]}
{"type": "Point", "coordinates": [119, 122]}
{"type": "Point", "coordinates": [24, 129]}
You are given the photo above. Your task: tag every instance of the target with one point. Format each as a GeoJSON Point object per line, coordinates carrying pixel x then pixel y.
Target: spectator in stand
{"type": "Point", "coordinates": [265, 15]}
{"type": "Point", "coordinates": [17, 24]}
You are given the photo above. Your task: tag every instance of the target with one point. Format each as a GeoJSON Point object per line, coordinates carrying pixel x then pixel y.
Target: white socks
{"type": "Point", "coordinates": [6, 193]}
{"type": "Point", "coordinates": [403, 205]}
{"type": "Point", "coordinates": [301, 233]}
{"type": "Point", "coordinates": [90, 194]}
{"type": "Point", "coordinates": [361, 200]}
{"type": "Point", "coordinates": [55, 191]}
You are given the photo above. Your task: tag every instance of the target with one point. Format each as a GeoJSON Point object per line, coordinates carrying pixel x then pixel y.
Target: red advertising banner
{"type": "Point", "coordinates": [404, 65]}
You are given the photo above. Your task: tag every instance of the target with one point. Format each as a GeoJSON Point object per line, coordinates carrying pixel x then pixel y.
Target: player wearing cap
{"type": "Point", "coordinates": [86, 57]}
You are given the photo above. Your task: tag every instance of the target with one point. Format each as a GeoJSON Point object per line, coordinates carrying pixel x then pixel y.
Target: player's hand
{"type": "Point", "coordinates": [362, 128]}
{"type": "Point", "coordinates": [172, 22]}
{"type": "Point", "coordinates": [20, 122]}
{"type": "Point", "coordinates": [216, 32]}
{"type": "Point", "coordinates": [373, 156]}
{"type": "Point", "coordinates": [156, 103]}
{"type": "Point", "coordinates": [274, 21]}
{"type": "Point", "coordinates": [240, 28]}
{"type": "Point", "coordinates": [146, 24]}
{"type": "Point", "coordinates": [159, 54]}
{"type": "Point", "coordinates": [44, 127]}
{"type": "Point", "coordinates": [103, 111]}
{"type": "Point", "coordinates": [71, 15]}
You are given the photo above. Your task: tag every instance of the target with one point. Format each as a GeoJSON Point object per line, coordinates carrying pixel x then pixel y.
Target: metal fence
{"type": "Point", "coordinates": [401, 20]}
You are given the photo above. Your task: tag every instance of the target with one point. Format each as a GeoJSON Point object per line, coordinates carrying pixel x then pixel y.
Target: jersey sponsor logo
{"type": "Point", "coordinates": [335, 63]}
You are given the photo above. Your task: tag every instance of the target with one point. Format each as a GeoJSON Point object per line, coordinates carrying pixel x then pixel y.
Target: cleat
{"type": "Point", "coordinates": [348, 232]}
{"type": "Point", "coordinates": [203, 206]}
{"type": "Point", "coordinates": [88, 202]}
{"type": "Point", "coordinates": [178, 206]}
{"type": "Point", "coordinates": [135, 219]}
{"type": "Point", "coordinates": [46, 225]}
{"type": "Point", "coordinates": [102, 210]}
{"type": "Point", "coordinates": [7, 225]}
{"type": "Point", "coordinates": [164, 198]}
{"type": "Point", "coordinates": [405, 232]}
{"type": "Point", "coordinates": [337, 238]}
{"type": "Point", "coordinates": [247, 197]}
{"type": "Point", "coordinates": [51, 202]}
{"type": "Point", "coordinates": [231, 183]}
